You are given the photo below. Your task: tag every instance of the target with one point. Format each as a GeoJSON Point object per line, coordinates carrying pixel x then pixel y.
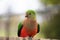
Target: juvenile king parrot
{"type": "Point", "coordinates": [29, 27]}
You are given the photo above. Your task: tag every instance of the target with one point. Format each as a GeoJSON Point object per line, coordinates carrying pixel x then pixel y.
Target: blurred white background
{"type": "Point", "coordinates": [19, 6]}
{"type": "Point", "coordinates": [18, 9]}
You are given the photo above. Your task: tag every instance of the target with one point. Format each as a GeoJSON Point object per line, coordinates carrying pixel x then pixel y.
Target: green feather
{"type": "Point", "coordinates": [38, 28]}
{"type": "Point", "coordinates": [20, 25]}
{"type": "Point", "coordinates": [31, 11]}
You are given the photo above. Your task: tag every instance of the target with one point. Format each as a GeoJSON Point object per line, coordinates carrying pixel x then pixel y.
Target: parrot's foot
{"type": "Point", "coordinates": [24, 39]}
{"type": "Point", "coordinates": [29, 38]}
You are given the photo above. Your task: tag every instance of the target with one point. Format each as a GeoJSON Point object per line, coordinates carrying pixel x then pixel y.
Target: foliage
{"type": "Point", "coordinates": [54, 2]}
{"type": "Point", "coordinates": [52, 29]}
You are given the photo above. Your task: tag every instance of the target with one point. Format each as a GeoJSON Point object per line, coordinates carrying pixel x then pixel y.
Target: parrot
{"type": "Point", "coordinates": [29, 27]}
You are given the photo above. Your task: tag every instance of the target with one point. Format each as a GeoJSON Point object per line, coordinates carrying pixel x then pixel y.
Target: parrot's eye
{"type": "Point", "coordinates": [29, 13]}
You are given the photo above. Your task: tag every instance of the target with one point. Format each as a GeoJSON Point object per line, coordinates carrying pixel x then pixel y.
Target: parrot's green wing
{"type": "Point", "coordinates": [38, 28]}
{"type": "Point", "coordinates": [20, 25]}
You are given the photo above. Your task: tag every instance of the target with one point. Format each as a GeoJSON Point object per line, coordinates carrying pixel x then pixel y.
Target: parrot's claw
{"type": "Point", "coordinates": [29, 38]}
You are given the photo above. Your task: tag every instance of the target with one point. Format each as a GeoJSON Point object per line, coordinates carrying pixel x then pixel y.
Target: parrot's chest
{"type": "Point", "coordinates": [30, 26]}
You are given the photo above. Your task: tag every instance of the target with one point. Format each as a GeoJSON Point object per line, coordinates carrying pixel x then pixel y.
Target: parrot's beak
{"type": "Point", "coordinates": [26, 16]}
